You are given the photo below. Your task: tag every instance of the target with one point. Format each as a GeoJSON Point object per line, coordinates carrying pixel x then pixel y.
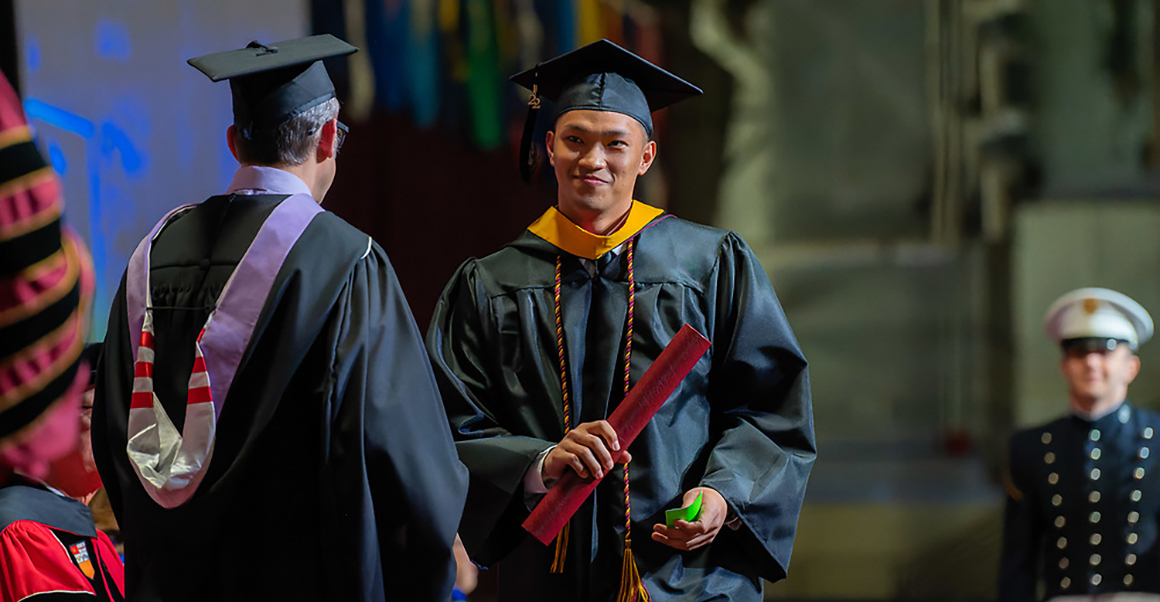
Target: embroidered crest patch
{"type": "Point", "coordinates": [80, 554]}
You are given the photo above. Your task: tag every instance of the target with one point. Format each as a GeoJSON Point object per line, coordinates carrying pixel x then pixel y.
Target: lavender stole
{"type": "Point", "coordinates": [171, 465]}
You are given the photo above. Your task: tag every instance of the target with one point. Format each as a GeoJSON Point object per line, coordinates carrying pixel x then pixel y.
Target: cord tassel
{"type": "Point", "coordinates": [562, 539]}
{"type": "Point", "coordinates": [561, 549]}
{"type": "Point", "coordinates": [632, 589]}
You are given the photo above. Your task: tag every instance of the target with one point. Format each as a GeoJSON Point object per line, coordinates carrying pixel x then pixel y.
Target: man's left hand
{"type": "Point", "coordinates": [686, 535]}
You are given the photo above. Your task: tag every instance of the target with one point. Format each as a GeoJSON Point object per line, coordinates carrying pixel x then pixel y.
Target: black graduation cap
{"type": "Point", "coordinates": [272, 83]}
{"type": "Point", "coordinates": [599, 77]}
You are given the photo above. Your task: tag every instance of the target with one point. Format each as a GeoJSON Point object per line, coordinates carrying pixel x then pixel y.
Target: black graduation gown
{"type": "Point", "coordinates": [741, 422]}
{"type": "Point", "coordinates": [334, 476]}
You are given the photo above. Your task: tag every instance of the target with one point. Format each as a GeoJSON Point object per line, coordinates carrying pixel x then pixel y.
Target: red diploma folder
{"type": "Point", "coordinates": [628, 420]}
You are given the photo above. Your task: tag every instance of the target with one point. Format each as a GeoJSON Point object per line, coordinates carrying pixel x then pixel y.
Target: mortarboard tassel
{"type": "Point", "coordinates": [527, 145]}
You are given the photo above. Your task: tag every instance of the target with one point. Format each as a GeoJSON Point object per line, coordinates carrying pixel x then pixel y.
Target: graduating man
{"type": "Point", "coordinates": [267, 423]}
{"type": "Point", "coordinates": [536, 344]}
{"type": "Point", "coordinates": [1081, 517]}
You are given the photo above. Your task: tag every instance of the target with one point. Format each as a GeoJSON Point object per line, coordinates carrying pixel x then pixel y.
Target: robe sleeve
{"type": "Point", "coordinates": [1019, 561]}
{"type": "Point", "coordinates": [760, 398]}
{"type": "Point", "coordinates": [496, 459]}
{"type": "Point", "coordinates": [388, 427]}
{"type": "Point", "coordinates": [35, 564]}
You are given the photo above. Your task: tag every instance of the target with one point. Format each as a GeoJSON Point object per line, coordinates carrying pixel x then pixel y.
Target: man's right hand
{"type": "Point", "coordinates": [586, 449]}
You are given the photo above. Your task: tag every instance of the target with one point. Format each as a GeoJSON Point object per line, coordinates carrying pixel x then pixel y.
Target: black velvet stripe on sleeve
{"type": "Point", "coordinates": [25, 250]}
{"type": "Point", "coordinates": [16, 418]}
{"type": "Point", "coordinates": [25, 332]}
{"type": "Point", "coordinates": [17, 160]}
{"type": "Point", "coordinates": [108, 583]}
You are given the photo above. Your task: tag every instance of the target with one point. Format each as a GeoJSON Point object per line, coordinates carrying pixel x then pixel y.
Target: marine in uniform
{"type": "Point", "coordinates": [1081, 514]}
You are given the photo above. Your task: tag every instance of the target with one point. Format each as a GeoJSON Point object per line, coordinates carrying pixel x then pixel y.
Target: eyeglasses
{"type": "Point", "coordinates": [340, 136]}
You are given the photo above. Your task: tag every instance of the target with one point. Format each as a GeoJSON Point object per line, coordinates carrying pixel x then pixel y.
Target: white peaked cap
{"type": "Point", "coordinates": [1098, 313]}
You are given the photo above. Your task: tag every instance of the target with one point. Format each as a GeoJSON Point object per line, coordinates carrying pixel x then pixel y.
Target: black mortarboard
{"type": "Point", "coordinates": [273, 83]}
{"type": "Point", "coordinates": [599, 77]}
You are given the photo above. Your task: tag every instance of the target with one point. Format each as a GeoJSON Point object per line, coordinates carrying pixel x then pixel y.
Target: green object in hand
{"type": "Point", "coordinates": [690, 513]}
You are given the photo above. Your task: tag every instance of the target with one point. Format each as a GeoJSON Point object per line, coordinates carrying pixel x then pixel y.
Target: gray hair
{"type": "Point", "coordinates": [291, 142]}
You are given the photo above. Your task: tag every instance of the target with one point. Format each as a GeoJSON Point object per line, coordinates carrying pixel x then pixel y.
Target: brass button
{"type": "Point", "coordinates": [1063, 562]}
{"type": "Point", "coordinates": [1130, 559]}
{"type": "Point", "coordinates": [1133, 517]}
{"type": "Point", "coordinates": [1133, 538]}
{"type": "Point", "coordinates": [1147, 434]}
{"type": "Point", "coordinates": [1059, 522]}
{"type": "Point", "coordinates": [1094, 517]}
{"type": "Point", "coordinates": [1053, 478]}
{"type": "Point", "coordinates": [1128, 579]}
{"type": "Point", "coordinates": [1065, 583]}
{"type": "Point", "coordinates": [1096, 453]}
{"type": "Point", "coordinates": [1095, 474]}
{"type": "Point", "coordinates": [1143, 453]}
{"type": "Point", "coordinates": [1046, 438]}
{"type": "Point", "coordinates": [1096, 579]}
{"type": "Point", "coordinates": [1056, 500]}
{"type": "Point", "coordinates": [1136, 495]}
{"type": "Point", "coordinates": [1049, 458]}
{"type": "Point", "coordinates": [1061, 543]}
{"type": "Point", "coordinates": [1096, 539]}
{"type": "Point", "coordinates": [1095, 559]}
{"type": "Point", "coordinates": [1094, 497]}
{"type": "Point", "coordinates": [1139, 473]}
{"type": "Point", "coordinates": [1094, 435]}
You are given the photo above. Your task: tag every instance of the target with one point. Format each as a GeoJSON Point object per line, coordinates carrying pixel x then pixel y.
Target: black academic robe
{"type": "Point", "coordinates": [741, 422]}
{"type": "Point", "coordinates": [1083, 509]}
{"type": "Point", "coordinates": [334, 476]}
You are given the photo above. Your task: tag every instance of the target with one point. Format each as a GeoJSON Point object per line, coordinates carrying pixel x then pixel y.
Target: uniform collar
{"type": "Point", "coordinates": [250, 179]}
{"type": "Point", "coordinates": [1120, 414]}
{"type": "Point", "coordinates": [1097, 418]}
{"type": "Point", "coordinates": [555, 228]}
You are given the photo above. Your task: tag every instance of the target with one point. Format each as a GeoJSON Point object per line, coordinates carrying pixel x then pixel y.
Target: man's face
{"type": "Point", "coordinates": [597, 156]}
{"type": "Point", "coordinates": [75, 473]}
{"type": "Point", "coordinates": [1099, 375]}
